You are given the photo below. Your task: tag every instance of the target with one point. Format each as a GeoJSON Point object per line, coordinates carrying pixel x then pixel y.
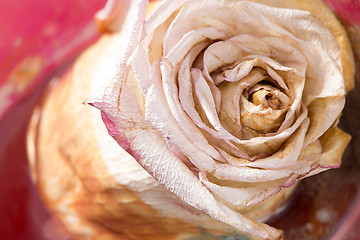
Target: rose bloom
{"type": "Point", "coordinates": [217, 108]}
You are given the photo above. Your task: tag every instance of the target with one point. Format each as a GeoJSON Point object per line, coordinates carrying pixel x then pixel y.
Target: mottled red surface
{"type": "Point", "coordinates": [22, 214]}
{"type": "Point", "coordinates": [348, 9]}
{"type": "Point", "coordinates": [52, 33]}
{"type": "Point", "coordinates": [41, 35]}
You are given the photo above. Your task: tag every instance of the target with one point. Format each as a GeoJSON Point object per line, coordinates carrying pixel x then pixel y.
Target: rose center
{"type": "Point", "coordinates": [263, 108]}
{"type": "Point", "coordinates": [265, 98]}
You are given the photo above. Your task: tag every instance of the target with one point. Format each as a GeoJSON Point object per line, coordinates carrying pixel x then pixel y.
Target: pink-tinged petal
{"type": "Point", "coordinates": [158, 133]}
{"type": "Point", "coordinates": [150, 149]}
{"type": "Point", "coordinates": [124, 168]}
{"type": "Point", "coordinates": [105, 99]}
{"type": "Point", "coordinates": [152, 153]}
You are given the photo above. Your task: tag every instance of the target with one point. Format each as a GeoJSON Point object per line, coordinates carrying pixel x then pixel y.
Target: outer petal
{"type": "Point", "coordinates": [333, 143]}
{"type": "Point", "coordinates": [243, 194]}
{"type": "Point", "coordinates": [327, 16]}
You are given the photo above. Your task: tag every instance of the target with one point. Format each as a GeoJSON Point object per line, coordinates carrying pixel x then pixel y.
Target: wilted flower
{"type": "Point", "coordinates": [227, 102]}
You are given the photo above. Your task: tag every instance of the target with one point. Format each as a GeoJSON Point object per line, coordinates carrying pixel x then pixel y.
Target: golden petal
{"type": "Point", "coordinates": [333, 143]}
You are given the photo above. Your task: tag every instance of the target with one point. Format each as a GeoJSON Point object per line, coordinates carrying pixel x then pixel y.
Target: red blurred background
{"type": "Point", "coordinates": [38, 41]}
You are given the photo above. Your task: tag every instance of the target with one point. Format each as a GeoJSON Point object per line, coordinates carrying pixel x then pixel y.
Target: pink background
{"type": "Point", "coordinates": [56, 31]}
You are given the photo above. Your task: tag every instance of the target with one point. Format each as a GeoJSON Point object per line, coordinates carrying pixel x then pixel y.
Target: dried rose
{"type": "Point", "coordinates": [226, 102]}
{"type": "Point", "coordinates": [223, 102]}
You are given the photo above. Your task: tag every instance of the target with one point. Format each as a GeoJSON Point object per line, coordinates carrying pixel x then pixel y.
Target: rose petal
{"type": "Point", "coordinates": [243, 195]}
{"type": "Point", "coordinates": [162, 13]}
{"type": "Point", "coordinates": [176, 54]}
{"type": "Point", "coordinates": [243, 45]}
{"type": "Point", "coordinates": [159, 115]}
{"type": "Point", "coordinates": [307, 160]}
{"type": "Point", "coordinates": [333, 143]}
{"type": "Point", "coordinates": [322, 113]}
{"type": "Point", "coordinates": [248, 174]}
{"type": "Point", "coordinates": [286, 156]}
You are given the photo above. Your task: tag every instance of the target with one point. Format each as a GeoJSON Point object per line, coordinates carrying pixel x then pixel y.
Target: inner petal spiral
{"type": "Point", "coordinates": [265, 95]}
{"type": "Point", "coordinates": [263, 108]}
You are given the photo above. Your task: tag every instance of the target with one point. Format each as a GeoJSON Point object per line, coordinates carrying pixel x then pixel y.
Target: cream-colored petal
{"type": "Point", "coordinates": [186, 92]}
{"type": "Point", "coordinates": [176, 54]}
{"type": "Point", "coordinates": [263, 120]}
{"type": "Point", "coordinates": [323, 112]}
{"type": "Point", "coordinates": [308, 159]}
{"type": "Point", "coordinates": [286, 156]}
{"type": "Point", "coordinates": [162, 12]}
{"type": "Point", "coordinates": [248, 174]}
{"type": "Point", "coordinates": [296, 83]}
{"type": "Point", "coordinates": [242, 194]}
{"type": "Point", "coordinates": [159, 115]}
{"type": "Point", "coordinates": [319, 9]}
{"type": "Point", "coordinates": [231, 92]}
{"type": "Point", "coordinates": [226, 52]}
{"type": "Point", "coordinates": [333, 142]}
